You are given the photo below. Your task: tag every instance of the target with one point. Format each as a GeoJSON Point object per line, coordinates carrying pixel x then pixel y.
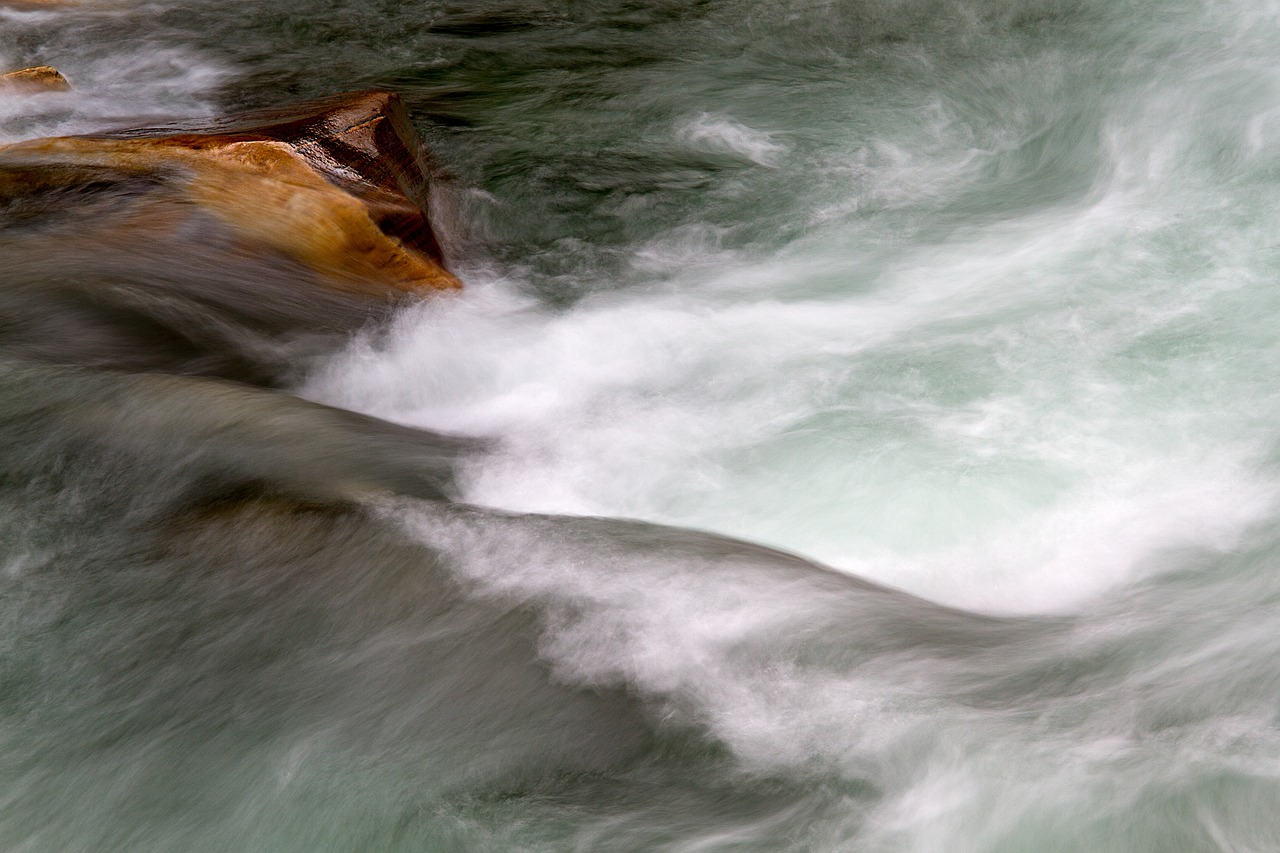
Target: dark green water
{"type": "Point", "coordinates": [973, 302]}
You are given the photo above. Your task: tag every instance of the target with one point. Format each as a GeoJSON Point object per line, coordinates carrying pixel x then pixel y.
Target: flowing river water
{"type": "Point", "coordinates": [963, 312]}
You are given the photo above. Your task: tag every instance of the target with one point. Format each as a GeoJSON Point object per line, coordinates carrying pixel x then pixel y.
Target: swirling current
{"type": "Point", "coordinates": [859, 431]}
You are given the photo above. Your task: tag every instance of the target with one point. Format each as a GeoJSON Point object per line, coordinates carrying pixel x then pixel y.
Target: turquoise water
{"type": "Point", "coordinates": [971, 305]}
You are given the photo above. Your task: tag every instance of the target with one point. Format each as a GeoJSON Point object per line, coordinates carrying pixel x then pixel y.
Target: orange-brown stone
{"type": "Point", "coordinates": [41, 78]}
{"type": "Point", "coordinates": [339, 185]}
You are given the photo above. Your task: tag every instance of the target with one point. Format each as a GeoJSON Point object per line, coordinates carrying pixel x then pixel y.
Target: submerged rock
{"type": "Point", "coordinates": [338, 185]}
{"type": "Point", "coordinates": [40, 78]}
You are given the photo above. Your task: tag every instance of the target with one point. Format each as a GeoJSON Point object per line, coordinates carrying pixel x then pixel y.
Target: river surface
{"type": "Point", "coordinates": [963, 313]}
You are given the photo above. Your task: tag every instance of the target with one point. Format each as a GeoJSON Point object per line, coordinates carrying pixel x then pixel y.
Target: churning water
{"type": "Point", "coordinates": [973, 301]}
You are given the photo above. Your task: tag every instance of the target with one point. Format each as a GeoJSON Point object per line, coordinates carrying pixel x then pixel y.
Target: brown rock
{"type": "Point", "coordinates": [41, 78]}
{"type": "Point", "coordinates": [338, 185]}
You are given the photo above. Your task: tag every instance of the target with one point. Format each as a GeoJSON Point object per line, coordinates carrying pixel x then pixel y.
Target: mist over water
{"type": "Point", "coordinates": [965, 308]}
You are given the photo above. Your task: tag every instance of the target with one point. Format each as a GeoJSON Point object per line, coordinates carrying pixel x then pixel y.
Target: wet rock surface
{"type": "Point", "coordinates": [39, 78]}
{"type": "Point", "coordinates": [338, 184]}
{"type": "Point", "coordinates": [215, 247]}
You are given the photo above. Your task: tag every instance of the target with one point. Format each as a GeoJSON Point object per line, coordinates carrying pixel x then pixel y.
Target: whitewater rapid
{"type": "Point", "coordinates": [857, 432]}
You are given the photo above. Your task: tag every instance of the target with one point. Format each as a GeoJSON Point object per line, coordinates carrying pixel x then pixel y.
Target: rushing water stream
{"type": "Point", "coordinates": [973, 301]}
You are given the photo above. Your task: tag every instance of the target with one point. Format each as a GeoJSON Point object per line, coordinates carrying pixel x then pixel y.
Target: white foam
{"type": "Point", "coordinates": [691, 633]}
{"type": "Point", "coordinates": [724, 134]}
{"type": "Point", "coordinates": [111, 86]}
{"type": "Point", "coordinates": [958, 428]}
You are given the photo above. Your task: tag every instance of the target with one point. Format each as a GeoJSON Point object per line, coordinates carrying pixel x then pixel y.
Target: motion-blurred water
{"type": "Point", "coordinates": [972, 301]}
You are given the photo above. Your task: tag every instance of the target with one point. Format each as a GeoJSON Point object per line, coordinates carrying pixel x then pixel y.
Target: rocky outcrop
{"type": "Point", "coordinates": [338, 186]}
{"type": "Point", "coordinates": [41, 78]}
{"type": "Point", "coordinates": [241, 247]}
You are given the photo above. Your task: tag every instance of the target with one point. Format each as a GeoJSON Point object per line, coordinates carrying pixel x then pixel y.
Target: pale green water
{"type": "Point", "coordinates": [973, 300]}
